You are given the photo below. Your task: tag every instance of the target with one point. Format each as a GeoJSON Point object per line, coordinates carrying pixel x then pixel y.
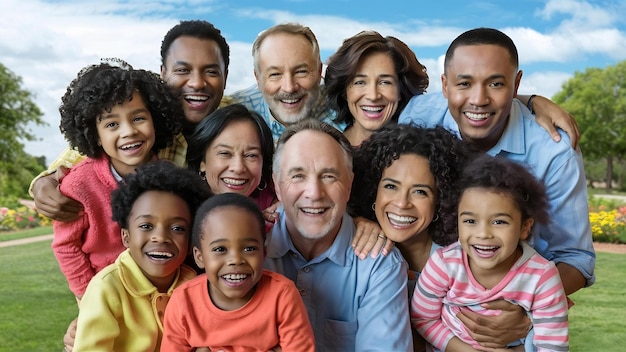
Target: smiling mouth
{"type": "Point", "coordinates": [131, 146]}
{"type": "Point", "coordinates": [485, 250]}
{"type": "Point", "coordinates": [235, 278]}
{"type": "Point", "coordinates": [159, 255]}
{"type": "Point", "coordinates": [399, 220]}
{"type": "Point", "coordinates": [477, 116]}
{"type": "Point", "coordinates": [234, 182]}
{"type": "Point", "coordinates": [313, 211]}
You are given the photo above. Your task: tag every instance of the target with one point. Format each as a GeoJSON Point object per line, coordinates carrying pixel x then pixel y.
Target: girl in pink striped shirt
{"type": "Point", "coordinates": [498, 203]}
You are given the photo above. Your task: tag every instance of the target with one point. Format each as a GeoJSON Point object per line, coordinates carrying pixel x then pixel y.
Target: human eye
{"type": "Point", "coordinates": [224, 153]}
{"type": "Point", "coordinates": [110, 125]}
{"type": "Point", "coordinates": [297, 177]}
{"type": "Point", "coordinates": [389, 186]}
{"type": "Point", "coordinates": [219, 249]}
{"type": "Point", "coordinates": [420, 191]}
{"type": "Point", "coordinates": [146, 226]}
{"type": "Point", "coordinates": [181, 70]}
{"type": "Point", "coordinates": [250, 248]}
{"type": "Point", "coordinates": [274, 75]}
{"type": "Point", "coordinates": [496, 84]}
{"type": "Point", "coordinates": [463, 84]}
{"type": "Point", "coordinates": [302, 72]}
{"type": "Point", "coordinates": [252, 156]}
{"type": "Point", "coordinates": [179, 228]}
{"type": "Point", "coordinates": [500, 222]}
{"type": "Point", "coordinates": [327, 178]}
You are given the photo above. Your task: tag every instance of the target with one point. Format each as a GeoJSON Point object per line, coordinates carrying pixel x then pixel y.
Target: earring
{"type": "Point", "coordinates": [264, 186]}
{"type": "Point", "coordinates": [374, 206]}
{"type": "Point", "coordinates": [436, 217]}
{"type": "Point", "coordinates": [202, 175]}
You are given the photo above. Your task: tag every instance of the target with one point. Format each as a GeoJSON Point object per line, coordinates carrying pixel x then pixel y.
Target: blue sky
{"type": "Point", "coordinates": [48, 42]}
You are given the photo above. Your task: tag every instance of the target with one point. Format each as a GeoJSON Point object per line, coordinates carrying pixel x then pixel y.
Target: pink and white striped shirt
{"type": "Point", "coordinates": [447, 284]}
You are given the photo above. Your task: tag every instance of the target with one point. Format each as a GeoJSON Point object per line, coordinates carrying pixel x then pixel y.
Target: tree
{"type": "Point", "coordinates": [597, 98]}
{"type": "Point", "coordinates": [17, 111]}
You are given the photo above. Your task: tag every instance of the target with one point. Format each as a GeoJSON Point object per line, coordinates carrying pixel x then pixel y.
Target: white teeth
{"type": "Point", "coordinates": [372, 108]}
{"type": "Point", "coordinates": [290, 101]}
{"type": "Point", "coordinates": [234, 182]}
{"type": "Point", "coordinates": [485, 248]}
{"type": "Point", "coordinates": [196, 97]}
{"type": "Point", "coordinates": [160, 254]}
{"type": "Point", "coordinates": [130, 146]}
{"type": "Point", "coordinates": [400, 219]}
{"type": "Point", "coordinates": [475, 116]}
{"type": "Point", "coordinates": [313, 210]}
{"type": "Point", "coordinates": [235, 277]}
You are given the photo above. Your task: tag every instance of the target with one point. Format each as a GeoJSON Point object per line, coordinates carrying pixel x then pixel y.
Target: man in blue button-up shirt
{"type": "Point", "coordinates": [353, 305]}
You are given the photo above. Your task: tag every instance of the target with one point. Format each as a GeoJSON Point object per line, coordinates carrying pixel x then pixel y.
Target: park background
{"type": "Point", "coordinates": [571, 51]}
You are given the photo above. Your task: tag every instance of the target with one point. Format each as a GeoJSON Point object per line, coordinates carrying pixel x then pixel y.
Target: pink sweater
{"type": "Point", "coordinates": [447, 284]}
{"type": "Point", "coordinates": [88, 244]}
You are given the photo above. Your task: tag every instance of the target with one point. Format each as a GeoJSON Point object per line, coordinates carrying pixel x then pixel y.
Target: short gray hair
{"type": "Point", "coordinates": [311, 124]}
{"type": "Point", "coordinates": [286, 28]}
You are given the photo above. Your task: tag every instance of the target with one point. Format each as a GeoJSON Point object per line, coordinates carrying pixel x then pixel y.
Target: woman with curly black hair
{"type": "Point", "coordinates": [119, 118]}
{"type": "Point", "coordinates": [404, 178]}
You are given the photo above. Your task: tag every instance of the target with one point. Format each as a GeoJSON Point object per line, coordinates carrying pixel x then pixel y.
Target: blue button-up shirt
{"type": "Point", "coordinates": [353, 305]}
{"type": "Point", "coordinates": [567, 238]}
{"type": "Point", "coordinates": [253, 99]}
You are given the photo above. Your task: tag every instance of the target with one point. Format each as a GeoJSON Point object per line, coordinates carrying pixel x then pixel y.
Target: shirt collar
{"type": "Point", "coordinates": [280, 244]}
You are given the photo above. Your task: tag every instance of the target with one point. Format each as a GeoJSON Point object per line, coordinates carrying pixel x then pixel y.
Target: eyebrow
{"type": "Point", "coordinates": [470, 213]}
{"type": "Point", "coordinates": [494, 76]}
{"type": "Point", "coordinates": [247, 239]}
{"type": "Point", "coordinates": [223, 145]}
{"type": "Point", "coordinates": [384, 75]}
{"type": "Point", "coordinates": [150, 217]}
{"type": "Point", "coordinates": [112, 115]}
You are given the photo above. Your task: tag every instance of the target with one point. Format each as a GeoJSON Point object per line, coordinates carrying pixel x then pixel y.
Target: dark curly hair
{"type": "Point", "coordinates": [160, 175]}
{"type": "Point", "coordinates": [342, 66]}
{"type": "Point", "coordinates": [508, 177]}
{"type": "Point", "coordinates": [225, 200]}
{"type": "Point", "coordinates": [446, 155]}
{"type": "Point", "coordinates": [98, 88]}
{"type": "Point", "coordinates": [196, 29]}
{"type": "Point", "coordinates": [212, 126]}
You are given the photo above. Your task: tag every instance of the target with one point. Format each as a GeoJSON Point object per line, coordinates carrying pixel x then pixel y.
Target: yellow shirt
{"type": "Point", "coordinates": [122, 310]}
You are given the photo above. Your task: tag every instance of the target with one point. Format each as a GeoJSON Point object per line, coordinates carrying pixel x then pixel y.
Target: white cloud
{"type": "Point", "coordinates": [48, 43]}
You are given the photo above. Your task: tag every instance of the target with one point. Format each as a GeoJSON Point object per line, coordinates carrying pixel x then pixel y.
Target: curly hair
{"type": "Point", "coordinates": [196, 29]}
{"type": "Point", "coordinates": [342, 66]}
{"type": "Point", "coordinates": [507, 177]}
{"type": "Point", "coordinates": [98, 88]}
{"type": "Point", "coordinates": [212, 126]}
{"type": "Point", "coordinates": [225, 200]}
{"type": "Point", "coordinates": [446, 155]}
{"type": "Point", "coordinates": [160, 175]}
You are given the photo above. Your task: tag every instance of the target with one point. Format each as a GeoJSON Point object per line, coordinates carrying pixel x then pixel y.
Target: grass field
{"type": "Point", "coordinates": [14, 235]}
{"type": "Point", "coordinates": [37, 304]}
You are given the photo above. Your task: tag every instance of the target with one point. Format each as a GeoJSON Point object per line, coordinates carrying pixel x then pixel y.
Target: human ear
{"type": "Point", "coordinates": [197, 257]}
{"type": "Point", "coordinates": [526, 227]}
{"type": "Point", "coordinates": [125, 238]}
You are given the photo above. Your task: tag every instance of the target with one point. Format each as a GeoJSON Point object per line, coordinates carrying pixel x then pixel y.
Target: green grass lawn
{"type": "Point", "coordinates": [37, 304]}
{"type": "Point", "coordinates": [14, 235]}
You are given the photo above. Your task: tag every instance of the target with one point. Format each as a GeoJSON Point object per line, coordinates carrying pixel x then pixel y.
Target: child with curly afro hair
{"type": "Point", "coordinates": [119, 117]}
{"type": "Point", "coordinates": [124, 304]}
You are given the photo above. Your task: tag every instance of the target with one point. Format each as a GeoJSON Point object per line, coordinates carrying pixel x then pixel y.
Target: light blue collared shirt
{"type": "Point", "coordinates": [567, 238]}
{"type": "Point", "coordinates": [353, 305]}
{"type": "Point", "coordinates": [252, 99]}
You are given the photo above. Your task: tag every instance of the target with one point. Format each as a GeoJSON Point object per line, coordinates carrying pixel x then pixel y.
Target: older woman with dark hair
{"type": "Point", "coordinates": [369, 80]}
{"type": "Point", "coordinates": [232, 150]}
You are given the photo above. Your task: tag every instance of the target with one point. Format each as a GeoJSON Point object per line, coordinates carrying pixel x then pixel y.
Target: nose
{"type": "Point", "coordinates": [159, 235]}
{"type": "Point", "coordinates": [196, 81]}
{"type": "Point", "coordinates": [402, 200]}
{"type": "Point", "coordinates": [479, 96]}
{"type": "Point", "coordinates": [483, 230]}
{"type": "Point", "coordinates": [237, 164]}
{"type": "Point", "coordinates": [372, 92]}
{"type": "Point", "coordinates": [289, 84]}
{"type": "Point", "coordinates": [314, 189]}
{"type": "Point", "coordinates": [235, 257]}
{"type": "Point", "coordinates": [128, 129]}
